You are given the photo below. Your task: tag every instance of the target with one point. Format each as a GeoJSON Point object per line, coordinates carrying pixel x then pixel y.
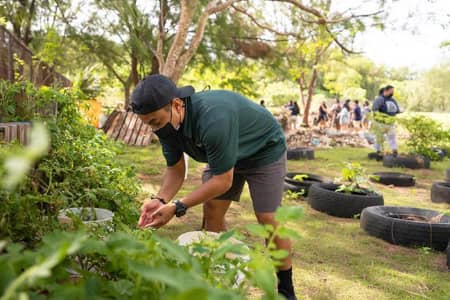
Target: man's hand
{"type": "Point", "coordinates": [163, 215]}
{"type": "Point", "coordinates": [147, 209]}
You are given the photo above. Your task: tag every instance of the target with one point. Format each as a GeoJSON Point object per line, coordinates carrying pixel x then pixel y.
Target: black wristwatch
{"type": "Point", "coordinates": [180, 208]}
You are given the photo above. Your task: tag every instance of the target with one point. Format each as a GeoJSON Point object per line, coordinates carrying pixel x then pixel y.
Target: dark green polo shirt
{"type": "Point", "coordinates": [226, 130]}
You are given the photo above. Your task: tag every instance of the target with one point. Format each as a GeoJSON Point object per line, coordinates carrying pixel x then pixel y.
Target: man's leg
{"type": "Point", "coordinates": [214, 210]}
{"type": "Point", "coordinates": [214, 214]}
{"type": "Point", "coordinates": [266, 190]}
{"type": "Point", "coordinates": [392, 140]}
{"type": "Point", "coordinates": [285, 244]}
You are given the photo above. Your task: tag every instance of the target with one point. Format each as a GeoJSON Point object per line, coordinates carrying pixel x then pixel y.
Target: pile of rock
{"type": "Point", "coordinates": [307, 137]}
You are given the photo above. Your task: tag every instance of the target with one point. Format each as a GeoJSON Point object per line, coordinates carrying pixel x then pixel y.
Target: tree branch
{"type": "Point", "coordinates": [264, 26]}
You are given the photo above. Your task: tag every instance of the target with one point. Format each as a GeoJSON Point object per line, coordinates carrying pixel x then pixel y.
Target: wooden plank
{"type": "Point", "coordinates": [110, 120]}
{"type": "Point", "coordinates": [114, 124]}
{"type": "Point", "coordinates": [148, 135]}
{"type": "Point", "coordinates": [12, 132]}
{"type": "Point", "coordinates": [137, 128]}
{"type": "Point", "coordinates": [118, 127]}
{"type": "Point", "coordinates": [130, 129]}
{"type": "Point", "coordinates": [141, 133]}
{"type": "Point", "coordinates": [125, 126]}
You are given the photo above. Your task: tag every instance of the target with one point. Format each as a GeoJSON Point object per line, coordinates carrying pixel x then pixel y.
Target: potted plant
{"type": "Point", "coordinates": [348, 196]}
{"type": "Point", "coordinates": [301, 182]}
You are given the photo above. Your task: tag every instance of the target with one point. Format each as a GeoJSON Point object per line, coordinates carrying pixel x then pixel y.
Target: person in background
{"type": "Point", "coordinates": [386, 105]}
{"type": "Point", "coordinates": [323, 115]}
{"type": "Point", "coordinates": [262, 103]}
{"type": "Point", "coordinates": [344, 115]}
{"type": "Point", "coordinates": [365, 115]}
{"type": "Point", "coordinates": [335, 110]}
{"type": "Point", "coordinates": [295, 111]}
{"type": "Point", "coordinates": [356, 115]}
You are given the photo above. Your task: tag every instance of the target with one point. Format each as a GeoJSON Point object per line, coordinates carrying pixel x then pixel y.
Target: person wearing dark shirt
{"type": "Point", "coordinates": [238, 139]}
{"type": "Point", "coordinates": [356, 115]}
{"type": "Point", "coordinates": [386, 105]}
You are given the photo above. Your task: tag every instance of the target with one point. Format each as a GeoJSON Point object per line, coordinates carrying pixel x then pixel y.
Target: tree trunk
{"type": "Point", "coordinates": [312, 84]}
{"type": "Point", "coordinates": [126, 89]}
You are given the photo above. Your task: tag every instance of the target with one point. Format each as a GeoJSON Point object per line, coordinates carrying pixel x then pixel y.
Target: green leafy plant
{"type": "Point", "coordinates": [425, 134]}
{"type": "Point", "coordinates": [135, 264]}
{"type": "Point", "coordinates": [300, 177]}
{"type": "Point", "coordinates": [80, 170]}
{"type": "Point", "coordinates": [353, 178]}
{"type": "Point", "coordinates": [292, 196]}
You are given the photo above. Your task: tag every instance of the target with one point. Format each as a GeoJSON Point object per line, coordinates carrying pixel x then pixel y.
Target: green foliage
{"type": "Point", "coordinates": [424, 134]}
{"type": "Point", "coordinates": [142, 265]}
{"type": "Point", "coordinates": [292, 196]}
{"type": "Point", "coordinates": [81, 170]}
{"type": "Point", "coordinates": [352, 178]}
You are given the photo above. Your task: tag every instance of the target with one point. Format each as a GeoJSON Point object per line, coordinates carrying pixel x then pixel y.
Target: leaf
{"type": "Point", "coordinates": [288, 213]}
{"type": "Point", "coordinates": [226, 235]}
{"type": "Point", "coordinates": [258, 230]}
{"type": "Point", "coordinates": [279, 254]}
{"type": "Point", "coordinates": [284, 232]}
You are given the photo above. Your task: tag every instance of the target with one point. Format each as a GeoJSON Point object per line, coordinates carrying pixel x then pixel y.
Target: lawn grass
{"type": "Point", "coordinates": [335, 259]}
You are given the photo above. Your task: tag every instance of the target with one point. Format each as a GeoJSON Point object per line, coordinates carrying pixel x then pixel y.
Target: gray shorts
{"type": "Point", "coordinates": [265, 184]}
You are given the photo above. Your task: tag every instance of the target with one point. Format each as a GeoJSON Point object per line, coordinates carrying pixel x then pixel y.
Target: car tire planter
{"type": "Point", "coordinates": [390, 223]}
{"type": "Point", "coordinates": [324, 198]}
{"type": "Point", "coordinates": [375, 156]}
{"type": "Point", "coordinates": [411, 162]}
{"type": "Point", "coordinates": [297, 186]}
{"type": "Point", "coordinates": [440, 192]}
{"type": "Point", "coordinates": [448, 254]}
{"type": "Point", "coordinates": [392, 178]}
{"type": "Point", "coordinates": [300, 153]}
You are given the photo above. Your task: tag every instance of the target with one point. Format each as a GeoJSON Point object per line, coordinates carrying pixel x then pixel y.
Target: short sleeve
{"type": "Point", "coordinates": [221, 140]}
{"type": "Point", "coordinates": [171, 153]}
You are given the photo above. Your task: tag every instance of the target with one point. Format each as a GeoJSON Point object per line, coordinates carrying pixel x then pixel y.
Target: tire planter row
{"type": "Point", "coordinates": [440, 192]}
{"type": "Point", "coordinates": [324, 198]}
{"type": "Point", "coordinates": [389, 224]}
{"type": "Point", "coordinates": [411, 162]}
{"type": "Point", "coordinates": [393, 178]}
{"type": "Point", "coordinates": [304, 185]}
{"type": "Point", "coordinates": [300, 153]}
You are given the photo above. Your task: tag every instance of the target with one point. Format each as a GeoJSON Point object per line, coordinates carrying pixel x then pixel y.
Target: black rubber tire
{"type": "Point", "coordinates": [293, 188]}
{"type": "Point", "coordinates": [440, 192]}
{"type": "Point", "coordinates": [448, 254]}
{"type": "Point", "coordinates": [411, 162]}
{"type": "Point", "coordinates": [374, 156]}
{"type": "Point", "coordinates": [322, 197]}
{"type": "Point", "coordinates": [300, 153]}
{"type": "Point", "coordinates": [447, 174]}
{"type": "Point", "coordinates": [296, 186]}
{"type": "Point", "coordinates": [378, 221]}
{"type": "Point", "coordinates": [442, 153]}
{"type": "Point", "coordinates": [393, 178]}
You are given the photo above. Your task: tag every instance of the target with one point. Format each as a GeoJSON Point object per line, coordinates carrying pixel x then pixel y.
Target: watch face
{"type": "Point", "coordinates": [180, 209]}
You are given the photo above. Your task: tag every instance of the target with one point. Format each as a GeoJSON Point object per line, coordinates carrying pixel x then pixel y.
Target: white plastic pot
{"type": "Point", "coordinates": [191, 237]}
{"type": "Point", "coordinates": [104, 217]}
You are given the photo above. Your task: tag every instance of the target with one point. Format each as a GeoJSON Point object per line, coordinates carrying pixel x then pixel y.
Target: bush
{"type": "Point", "coordinates": [424, 135]}
{"type": "Point", "coordinates": [80, 169]}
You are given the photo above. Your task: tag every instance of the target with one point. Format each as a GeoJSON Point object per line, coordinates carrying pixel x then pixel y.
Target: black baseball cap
{"type": "Point", "coordinates": [154, 92]}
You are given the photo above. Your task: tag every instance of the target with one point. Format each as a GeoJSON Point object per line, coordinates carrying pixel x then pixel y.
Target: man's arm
{"type": "Point", "coordinates": [173, 178]}
{"type": "Point", "coordinates": [214, 187]}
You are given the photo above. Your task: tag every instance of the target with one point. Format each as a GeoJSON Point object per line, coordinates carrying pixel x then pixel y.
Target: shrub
{"type": "Point", "coordinates": [424, 135]}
